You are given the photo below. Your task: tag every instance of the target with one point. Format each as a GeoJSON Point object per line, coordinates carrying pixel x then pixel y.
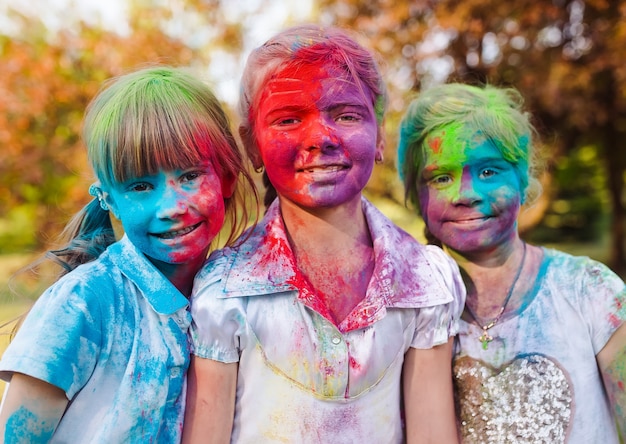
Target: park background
{"type": "Point", "coordinates": [565, 56]}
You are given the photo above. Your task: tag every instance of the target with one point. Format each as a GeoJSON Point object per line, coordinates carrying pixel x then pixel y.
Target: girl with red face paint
{"type": "Point", "coordinates": [542, 339]}
{"type": "Point", "coordinates": [305, 331]}
{"type": "Point", "coordinates": [103, 354]}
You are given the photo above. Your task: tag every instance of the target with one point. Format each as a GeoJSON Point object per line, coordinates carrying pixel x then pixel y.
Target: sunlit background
{"type": "Point", "coordinates": [565, 56]}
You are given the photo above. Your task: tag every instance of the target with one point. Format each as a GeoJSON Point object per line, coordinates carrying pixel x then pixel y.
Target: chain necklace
{"type": "Point", "coordinates": [486, 338]}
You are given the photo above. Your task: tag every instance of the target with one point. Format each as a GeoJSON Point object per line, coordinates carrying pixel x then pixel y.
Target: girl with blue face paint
{"type": "Point", "coordinates": [541, 353]}
{"type": "Point", "coordinates": [103, 354]}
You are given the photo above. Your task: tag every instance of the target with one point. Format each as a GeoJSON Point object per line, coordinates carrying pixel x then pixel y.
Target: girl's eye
{"type": "Point", "coordinates": [352, 117]}
{"type": "Point", "coordinates": [287, 121]}
{"type": "Point", "coordinates": [191, 176]}
{"type": "Point", "coordinates": [141, 186]}
{"type": "Point", "coordinates": [487, 172]}
{"type": "Point", "coordinates": [440, 180]}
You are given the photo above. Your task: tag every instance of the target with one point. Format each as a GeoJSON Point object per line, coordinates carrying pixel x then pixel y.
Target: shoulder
{"type": "Point", "coordinates": [214, 268]}
{"type": "Point", "coordinates": [95, 277]}
{"type": "Point", "coordinates": [589, 286]}
{"type": "Point", "coordinates": [580, 270]}
{"type": "Point", "coordinates": [219, 262]}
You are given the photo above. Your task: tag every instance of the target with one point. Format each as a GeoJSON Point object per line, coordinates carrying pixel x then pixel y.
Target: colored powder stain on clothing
{"type": "Point", "coordinates": [354, 364]}
{"type": "Point", "coordinates": [277, 248]}
{"type": "Point", "coordinates": [15, 430]}
{"type": "Point", "coordinates": [617, 318]}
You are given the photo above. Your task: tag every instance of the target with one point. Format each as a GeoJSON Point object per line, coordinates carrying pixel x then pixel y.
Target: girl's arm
{"type": "Point", "coordinates": [210, 408]}
{"type": "Point", "coordinates": [31, 410]}
{"type": "Point", "coordinates": [428, 395]}
{"type": "Point", "coordinates": [612, 363]}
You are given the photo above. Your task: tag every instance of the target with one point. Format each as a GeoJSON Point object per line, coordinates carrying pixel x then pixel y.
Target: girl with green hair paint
{"type": "Point", "coordinates": [102, 356]}
{"type": "Point", "coordinates": [541, 352]}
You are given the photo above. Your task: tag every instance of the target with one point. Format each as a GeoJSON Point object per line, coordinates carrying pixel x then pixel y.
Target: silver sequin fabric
{"type": "Point", "coordinates": [529, 400]}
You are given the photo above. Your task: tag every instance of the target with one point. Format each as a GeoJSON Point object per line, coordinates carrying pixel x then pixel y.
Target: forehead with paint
{"type": "Point", "coordinates": [306, 44]}
{"type": "Point", "coordinates": [448, 148]}
{"type": "Point", "coordinates": [457, 149]}
{"type": "Point", "coordinates": [314, 85]}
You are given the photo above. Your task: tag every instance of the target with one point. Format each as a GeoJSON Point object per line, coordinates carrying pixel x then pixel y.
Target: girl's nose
{"type": "Point", "coordinates": [171, 204]}
{"type": "Point", "coordinates": [468, 192]}
{"type": "Point", "coordinates": [320, 135]}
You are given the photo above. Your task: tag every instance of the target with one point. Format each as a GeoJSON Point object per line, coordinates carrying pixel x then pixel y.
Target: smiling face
{"type": "Point", "coordinates": [171, 216]}
{"type": "Point", "coordinates": [317, 135]}
{"type": "Point", "coordinates": [469, 194]}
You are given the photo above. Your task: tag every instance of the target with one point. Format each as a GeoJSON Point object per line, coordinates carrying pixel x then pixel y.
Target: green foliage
{"type": "Point", "coordinates": [18, 228]}
{"type": "Point", "coordinates": [579, 208]}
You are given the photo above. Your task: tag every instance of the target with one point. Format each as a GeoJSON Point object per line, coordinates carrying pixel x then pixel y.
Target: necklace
{"type": "Point", "coordinates": [486, 338]}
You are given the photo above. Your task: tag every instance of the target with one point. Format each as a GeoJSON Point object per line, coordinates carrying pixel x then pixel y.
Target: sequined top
{"type": "Point", "coordinates": [112, 334]}
{"type": "Point", "coordinates": [538, 381]}
{"type": "Point", "coordinates": [301, 378]}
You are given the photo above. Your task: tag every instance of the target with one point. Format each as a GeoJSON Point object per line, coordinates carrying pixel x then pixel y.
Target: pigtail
{"type": "Point", "coordinates": [89, 233]}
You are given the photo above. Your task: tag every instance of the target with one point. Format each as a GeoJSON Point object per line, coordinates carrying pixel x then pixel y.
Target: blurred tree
{"type": "Point", "coordinates": [47, 80]}
{"type": "Point", "coordinates": [565, 56]}
{"type": "Point", "coordinates": [49, 77]}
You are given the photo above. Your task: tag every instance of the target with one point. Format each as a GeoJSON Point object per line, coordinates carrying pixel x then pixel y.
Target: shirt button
{"type": "Point", "coordinates": [336, 340]}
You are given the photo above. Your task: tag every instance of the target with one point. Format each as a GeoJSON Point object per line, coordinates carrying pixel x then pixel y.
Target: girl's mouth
{"type": "Point", "coordinates": [177, 233]}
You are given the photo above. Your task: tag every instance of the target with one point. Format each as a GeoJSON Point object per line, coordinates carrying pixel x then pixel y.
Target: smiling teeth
{"type": "Point", "coordinates": [173, 234]}
{"type": "Point", "coordinates": [328, 169]}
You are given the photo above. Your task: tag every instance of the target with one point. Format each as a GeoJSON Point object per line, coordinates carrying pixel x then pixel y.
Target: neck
{"type": "Point", "coordinates": [180, 275]}
{"type": "Point", "coordinates": [325, 229]}
{"type": "Point", "coordinates": [333, 249]}
{"type": "Point", "coordinates": [492, 278]}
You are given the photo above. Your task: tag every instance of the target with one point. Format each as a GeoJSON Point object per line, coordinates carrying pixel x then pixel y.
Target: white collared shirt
{"type": "Point", "coordinates": [301, 378]}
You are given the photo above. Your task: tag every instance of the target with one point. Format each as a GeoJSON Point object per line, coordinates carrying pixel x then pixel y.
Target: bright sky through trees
{"type": "Point", "coordinates": [261, 18]}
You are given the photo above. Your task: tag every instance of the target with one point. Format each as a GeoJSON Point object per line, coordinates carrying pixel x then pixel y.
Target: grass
{"type": "Point", "coordinates": [13, 304]}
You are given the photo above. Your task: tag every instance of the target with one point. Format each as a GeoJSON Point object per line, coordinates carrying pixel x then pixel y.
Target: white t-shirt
{"type": "Point", "coordinates": [538, 380]}
{"type": "Point", "coordinates": [301, 378]}
{"type": "Point", "coordinates": [113, 335]}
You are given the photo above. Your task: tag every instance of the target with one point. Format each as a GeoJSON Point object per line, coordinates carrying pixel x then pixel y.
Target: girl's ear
{"type": "Point", "coordinates": [252, 149]}
{"type": "Point", "coordinates": [228, 183]}
{"type": "Point", "coordinates": [380, 142]}
{"type": "Point", "coordinates": [109, 202]}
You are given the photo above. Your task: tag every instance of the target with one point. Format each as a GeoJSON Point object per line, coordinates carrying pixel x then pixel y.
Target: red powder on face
{"type": "Point", "coordinates": [435, 144]}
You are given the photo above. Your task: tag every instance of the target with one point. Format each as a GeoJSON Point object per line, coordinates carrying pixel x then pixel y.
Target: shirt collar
{"type": "Point", "coordinates": [403, 276]}
{"type": "Point", "coordinates": [162, 295]}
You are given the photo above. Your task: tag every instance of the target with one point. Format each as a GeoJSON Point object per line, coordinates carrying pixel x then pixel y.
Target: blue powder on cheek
{"type": "Point", "coordinates": [24, 426]}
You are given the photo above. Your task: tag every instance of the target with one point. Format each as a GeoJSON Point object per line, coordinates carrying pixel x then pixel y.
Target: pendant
{"type": "Point", "coordinates": [485, 338]}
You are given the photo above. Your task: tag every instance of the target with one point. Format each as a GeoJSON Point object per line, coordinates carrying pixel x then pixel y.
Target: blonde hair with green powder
{"type": "Point", "coordinates": [155, 118]}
